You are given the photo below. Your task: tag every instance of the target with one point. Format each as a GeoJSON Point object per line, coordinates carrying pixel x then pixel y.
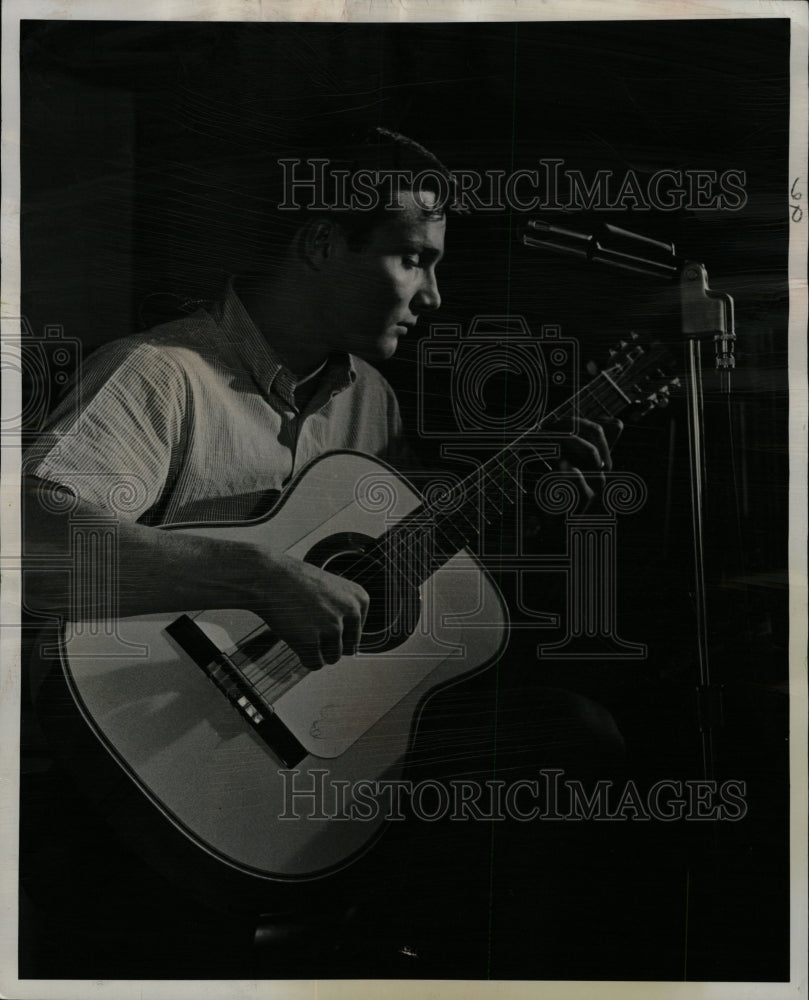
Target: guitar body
{"type": "Point", "coordinates": [199, 735]}
{"type": "Point", "coordinates": [214, 785]}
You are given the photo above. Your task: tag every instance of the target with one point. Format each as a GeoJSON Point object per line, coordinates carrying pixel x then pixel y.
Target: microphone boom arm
{"type": "Point", "coordinates": [703, 312]}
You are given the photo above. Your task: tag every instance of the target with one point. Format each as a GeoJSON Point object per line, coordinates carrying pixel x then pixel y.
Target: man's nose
{"type": "Point", "coordinates": [428, 298]}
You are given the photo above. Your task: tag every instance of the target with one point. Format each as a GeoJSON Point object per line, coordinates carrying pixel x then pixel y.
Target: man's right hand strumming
{"type": "Point", "coordinates": [319, 615]}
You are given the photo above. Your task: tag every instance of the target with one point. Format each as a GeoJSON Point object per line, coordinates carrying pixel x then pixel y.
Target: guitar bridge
{"type": "Point", "coordinates": [223, 672]}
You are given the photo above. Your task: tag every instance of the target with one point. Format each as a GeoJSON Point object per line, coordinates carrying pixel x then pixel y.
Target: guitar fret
{"type": "Point", "coordinates": [475, 527]}
{"type": "Point", "coordinates": [601, 398]}
{"type": "Point", "coordinates": [502, 463]}
{"type": "Point", "coordinates": [488, 475]}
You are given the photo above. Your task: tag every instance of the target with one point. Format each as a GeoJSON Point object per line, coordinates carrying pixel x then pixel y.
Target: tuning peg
{"type": "Point", "coordinates": [660, 399]}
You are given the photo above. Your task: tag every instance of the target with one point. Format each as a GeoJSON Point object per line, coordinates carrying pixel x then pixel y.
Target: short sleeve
{"type": "Point", "coordinates": [115, 439]}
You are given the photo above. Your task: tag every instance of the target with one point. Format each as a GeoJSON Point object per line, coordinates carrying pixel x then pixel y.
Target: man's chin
{"type": "Point", "coordinates": [380, 350]}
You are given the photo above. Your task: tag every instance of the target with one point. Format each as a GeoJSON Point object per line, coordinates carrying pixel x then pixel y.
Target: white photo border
{"type": "Point", "coordinates": [393, 11]}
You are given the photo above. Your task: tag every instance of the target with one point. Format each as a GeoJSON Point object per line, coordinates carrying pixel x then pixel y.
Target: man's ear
{"type": "Point", "coordinates": [316, 241]}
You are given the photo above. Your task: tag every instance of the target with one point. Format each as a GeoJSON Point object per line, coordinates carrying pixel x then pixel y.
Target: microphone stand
{"type": "Point", "coordinates": [703, 314]}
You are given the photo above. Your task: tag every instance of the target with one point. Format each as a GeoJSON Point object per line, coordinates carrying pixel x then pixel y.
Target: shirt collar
{"type": "Point", "coordinates": [262, 361]}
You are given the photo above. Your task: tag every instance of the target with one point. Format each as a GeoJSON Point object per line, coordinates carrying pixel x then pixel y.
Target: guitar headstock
{"type": "Point", "coordinates": [642, 371]}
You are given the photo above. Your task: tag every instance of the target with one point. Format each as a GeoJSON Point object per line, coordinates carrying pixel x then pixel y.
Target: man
{"type": "Point", "coordinates": [209, 418]}
{"type": "Point", "coordinates": [165, 414]}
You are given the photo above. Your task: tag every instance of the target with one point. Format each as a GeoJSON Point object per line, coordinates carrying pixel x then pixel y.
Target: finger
{"type": "Point", "coordinates": [591, 480]}
{"type": "Point", "coordinates": [574, 442]}
{"type": "Point", "coordinates": [352, 632]}
{"type": "Point", "coordinates": [595, 435]}
{"type": "Point", "coordinates": [582, 453]}
{"type": "Point", "coordinates": [365, 603]}
{"type": "Point", "coordinates": [596, 481]}
{"type": "Point", "coordinates": [331, 646]}
{"type": "Point", "coordinates": [310, 656]}
{"type": "Point", "coordinates": [585, 490]}
{"type": "Point", "coordinates": [613, 430]}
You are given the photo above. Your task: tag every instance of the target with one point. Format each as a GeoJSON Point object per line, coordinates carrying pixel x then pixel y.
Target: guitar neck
{"type": "Point", "coordinates": [431, 534]}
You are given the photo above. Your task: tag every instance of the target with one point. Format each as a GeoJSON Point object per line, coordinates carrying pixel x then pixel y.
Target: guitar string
{"type": "Point", "coordinates": [410, 563]}
{"type": "Point", "coordinates": [271, 678]}
{"type": "Point", "coordinates": [568, 407]}
{"type": "Point", "coordinates": [279, 673]}
{"type": "Point", "coordinates": [485, 474]}
{"type": "Point", "coordinates": [589, 395]}
{"type": "Point", "coordinates": [404, 538]}
{"type": "Point", "coordinates": [590, 390]}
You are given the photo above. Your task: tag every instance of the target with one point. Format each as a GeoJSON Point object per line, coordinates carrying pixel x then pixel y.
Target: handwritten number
{"type": "Point", "coordinates": [797, 211]}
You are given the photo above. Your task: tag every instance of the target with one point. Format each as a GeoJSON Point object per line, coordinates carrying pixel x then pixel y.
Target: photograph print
{"type": "Point", "coordinates": [406, 493]}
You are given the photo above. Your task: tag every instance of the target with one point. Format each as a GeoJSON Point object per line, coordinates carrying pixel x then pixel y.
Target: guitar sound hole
{"type": "Point", "coordinates": [394, 606]}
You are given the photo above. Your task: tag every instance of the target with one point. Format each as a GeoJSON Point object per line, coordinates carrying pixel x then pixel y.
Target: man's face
{"type": "Point", "coordinates": [374, 295]}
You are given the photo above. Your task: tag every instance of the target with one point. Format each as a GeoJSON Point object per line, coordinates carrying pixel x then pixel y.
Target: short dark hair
{"type": "Point", "coordinates": [219, 203]}
{"type": "Point", "coordinates": [384, 151]}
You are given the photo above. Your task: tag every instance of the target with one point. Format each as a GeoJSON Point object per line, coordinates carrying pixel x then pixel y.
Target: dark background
{"type": "Point", "coordinates": [139, 142]}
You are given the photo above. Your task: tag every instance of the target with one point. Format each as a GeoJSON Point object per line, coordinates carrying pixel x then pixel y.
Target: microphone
{"type": "Point", "coordinates": [608, 245]}
{"type": "Point", "coordinates": [703, 312]}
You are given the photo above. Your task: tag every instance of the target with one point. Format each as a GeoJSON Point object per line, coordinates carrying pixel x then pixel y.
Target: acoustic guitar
{"type": "Point", "coordinates": [233, 753]}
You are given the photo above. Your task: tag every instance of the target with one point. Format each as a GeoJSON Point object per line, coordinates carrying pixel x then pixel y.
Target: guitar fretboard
{"type": "Point", "coordinates": [425, 539]}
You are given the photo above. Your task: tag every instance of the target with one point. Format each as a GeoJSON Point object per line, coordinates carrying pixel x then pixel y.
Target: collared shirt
{"type": "Point", "coordinates": [196, 421]}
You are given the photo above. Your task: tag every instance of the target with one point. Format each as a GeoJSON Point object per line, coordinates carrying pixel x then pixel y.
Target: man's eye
{"type": "Point", "coordinates": [412, 260]}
